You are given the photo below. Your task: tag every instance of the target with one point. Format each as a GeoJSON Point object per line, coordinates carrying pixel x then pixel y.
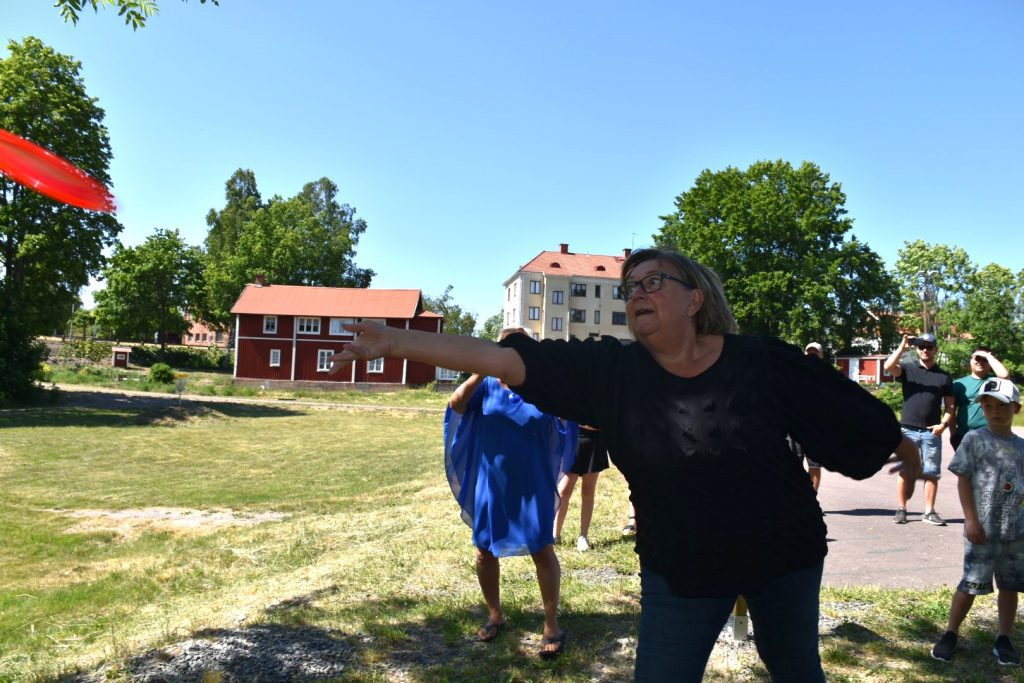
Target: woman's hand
{"type": "Point", "coordinates": [372, 340]}
{"type": "Point", "coordinates": [907, 460]}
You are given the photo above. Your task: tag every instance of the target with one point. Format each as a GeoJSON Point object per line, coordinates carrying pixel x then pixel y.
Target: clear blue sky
{"type": "Point", "coordinates": [473, 135]}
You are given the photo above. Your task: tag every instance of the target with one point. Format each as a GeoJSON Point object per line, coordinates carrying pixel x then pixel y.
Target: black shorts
{"type": "Point", "coordinates": [591, 454]}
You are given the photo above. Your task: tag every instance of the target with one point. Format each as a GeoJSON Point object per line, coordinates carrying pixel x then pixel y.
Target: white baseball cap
{"type": "Point", "coordinates": [1000, 389]}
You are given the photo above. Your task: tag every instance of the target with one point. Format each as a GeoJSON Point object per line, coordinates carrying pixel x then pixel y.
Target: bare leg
{"type": "Point", "coordinates": [587, 502]}
{"type": "Point", "coordinates": [565, 487]}
{"type": "Point", "coordinates": [931, 489]}
{"type": "Point", "coordinates": [815, 474]}
{"type": "Point", "coordinates": [904, 490]}
{"type": "Point", "coordinates": [549, 578]}
{"type": "Point", "coordinates": [488, 573]}
{"type": "Point", "coordinates": [1007, 605]}
{"type": "Point", "coordinates": [959, 608]}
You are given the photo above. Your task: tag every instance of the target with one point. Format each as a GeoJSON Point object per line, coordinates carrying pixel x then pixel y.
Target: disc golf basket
{"type": "Point", "coordinates": [180, 380]}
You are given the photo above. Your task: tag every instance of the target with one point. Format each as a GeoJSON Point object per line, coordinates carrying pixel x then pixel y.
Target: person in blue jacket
{"type": "Point", "coordinates": [504, 459]}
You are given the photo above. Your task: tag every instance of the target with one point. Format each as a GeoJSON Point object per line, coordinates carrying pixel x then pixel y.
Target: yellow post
{"type": "Point", "coordinates": [739, 619]}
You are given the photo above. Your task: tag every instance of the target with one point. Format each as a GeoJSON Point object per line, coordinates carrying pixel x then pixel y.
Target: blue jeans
{"type": "Point", "coordinates": [930, 446]}
{"type": "Point", "coordinates": [678, 634]}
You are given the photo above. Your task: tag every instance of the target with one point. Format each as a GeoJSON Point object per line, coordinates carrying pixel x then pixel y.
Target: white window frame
{"type": "Point", "coordinates": [616, 292]}
{"type": "Point", "coordinates": [307, 324]}
{"type": "Point", "coordinates": [270, 324]}
{"type": "Point", "coordinates": [275, 358]}
{"type": "Point", "coordinates": [534, 312]}
{"type": "Point", "coordinates": [558, 296]}
{"type": "Point", "coordinates": [375, 366]}
{"type": "Point", "coordinates": [446, 375]}
{"type": "Point", "coordinates": [322, 364]}
{"type": "Point", "coordinates": [336, 330]}
{"type": "Point", "coordinates": [597, 317]}
{"type": "Point", "coordinates": [535, 287]}
{"type": "Point", "coordinates": [556, 324]}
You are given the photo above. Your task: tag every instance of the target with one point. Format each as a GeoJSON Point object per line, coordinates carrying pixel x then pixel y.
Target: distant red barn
{"type": "Point", "coordinates": [865, 369]}
{"type": "Point", "coordinates": [287, 333]}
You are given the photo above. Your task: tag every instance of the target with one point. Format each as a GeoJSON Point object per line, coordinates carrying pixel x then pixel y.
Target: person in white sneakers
{"type": "Point", "coordinates": [591, 460]}
{"type": "Point", "coordinates": [928, 410]}
{"type": "Point", "coordinates": [989, 465]}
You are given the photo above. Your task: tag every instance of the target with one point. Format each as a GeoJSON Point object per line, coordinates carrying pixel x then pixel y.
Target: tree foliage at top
{"type": "Point", "coordinates": [309, 239]}
{"type": "Point", "coordinates": [48, 250]}
{"type": "Point", "coordinates": [135, 12]}
{"type": "Point", "coordinates": [967, 306]}
{"type": "Point", "coordinates": [150, 287]}
{"type": "Point", "coordinates": [933, 278]}
{"type": "Point", "coordinates": [776, 235]}
{"type": "Point", "coordinates": [456, 321]}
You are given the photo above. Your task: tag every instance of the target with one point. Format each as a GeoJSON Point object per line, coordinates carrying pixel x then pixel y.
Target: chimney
{"type": "Point", "coordinates": [260, 280]}
{"type": "Point", "coordinates": [626, 253]}
{"type": "Point", "coordinates": [564, 248]}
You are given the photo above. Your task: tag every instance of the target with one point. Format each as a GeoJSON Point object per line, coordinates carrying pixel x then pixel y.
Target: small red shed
{"type": "Point", "coordinates": [121, 355]}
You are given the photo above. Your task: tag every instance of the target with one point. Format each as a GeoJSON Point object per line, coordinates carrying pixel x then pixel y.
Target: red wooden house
{"type": "Point", "coordinates": [286, 333]}
{"type": "Point", "coordinates": [864, 369]}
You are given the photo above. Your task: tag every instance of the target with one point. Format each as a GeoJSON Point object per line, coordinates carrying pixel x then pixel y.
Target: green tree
{"type": "Point", "coordinates": [84, 321]}
{"type": "Point", "coordinates": [933, 280]}
{"type": "Point", "coordinates": [309, 239]}
{"type": "Point", "coordinates": [456, 321]}
{"type": "Point", "coordinates": [135, 12]}
{"type": "Point", "coordinates": [777, 237]}
{"type": "Point", "coordinates": [150, 287]}
{"type": "Point", "coordinates": [492, 327]}
{"type": "Point", "coordinates": [48, 250]}
{"type": "Point", "coordinates": [990, 312]}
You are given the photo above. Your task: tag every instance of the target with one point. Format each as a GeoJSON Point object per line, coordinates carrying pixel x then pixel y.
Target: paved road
{"type": "Point", "coordinates": [865, 547]}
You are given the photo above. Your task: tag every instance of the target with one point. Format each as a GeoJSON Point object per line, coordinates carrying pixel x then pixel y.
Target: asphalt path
{"type": "Point", "coordinates": [865, 547]}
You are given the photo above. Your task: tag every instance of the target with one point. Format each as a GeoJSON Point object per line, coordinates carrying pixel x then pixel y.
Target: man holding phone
{"type": "Point", "coordinates": [968, 413]}
{"type": "Point", "coordinates": [928, 410]}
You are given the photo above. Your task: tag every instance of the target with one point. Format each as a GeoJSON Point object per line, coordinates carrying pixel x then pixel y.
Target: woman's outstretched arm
{"type": "Point", "coordinates": [454, 352]}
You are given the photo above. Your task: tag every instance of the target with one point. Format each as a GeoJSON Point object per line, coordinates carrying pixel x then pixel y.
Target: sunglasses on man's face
{"type": "Point", "coordinates": [980, 359]}
{"type": "Point", "coordinates": [926, 347]}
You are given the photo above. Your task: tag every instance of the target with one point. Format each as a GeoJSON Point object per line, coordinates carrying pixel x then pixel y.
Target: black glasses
{"type": "Point", "coordinates": [651, 282]}
{"type": "Point", "coordinates": [926, 347]}
{"type": "Point", "coordinates": [980, 359]}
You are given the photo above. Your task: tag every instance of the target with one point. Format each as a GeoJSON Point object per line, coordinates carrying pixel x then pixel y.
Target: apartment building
{"type": "Point", "coordinates": [561, 294]}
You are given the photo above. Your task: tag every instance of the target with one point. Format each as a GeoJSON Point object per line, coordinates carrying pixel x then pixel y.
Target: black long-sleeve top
{"type": "Point", "coordinates": [722, 505]}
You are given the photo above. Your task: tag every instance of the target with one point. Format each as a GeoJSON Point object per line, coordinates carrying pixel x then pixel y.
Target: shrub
{"type": "Point", "coordinates": [162, 373]}
{"type": "Point", "coordinates": [890, 394]}
{"type": "Point", "coordinates": [84, 349]}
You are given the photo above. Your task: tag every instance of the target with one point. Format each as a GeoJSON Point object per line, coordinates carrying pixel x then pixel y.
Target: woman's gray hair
{"type": "Point", "coordinates": [714, 316]}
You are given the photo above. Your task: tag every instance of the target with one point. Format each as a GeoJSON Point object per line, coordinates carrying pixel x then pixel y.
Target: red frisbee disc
{"type": "Point", "coordinates": [48, 174]}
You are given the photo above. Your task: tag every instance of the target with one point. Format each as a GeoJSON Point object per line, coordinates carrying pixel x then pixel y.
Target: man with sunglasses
{"type": "Point", "coordinates": [928, 410]}
{"type": "Point", "coordinates": [969, 415]}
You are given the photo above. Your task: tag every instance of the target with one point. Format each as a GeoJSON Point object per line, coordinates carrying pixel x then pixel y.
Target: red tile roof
{"type": "Point", "coordinates": [340, 302]}
{"type": "Point", "coordinates": [567, 263]}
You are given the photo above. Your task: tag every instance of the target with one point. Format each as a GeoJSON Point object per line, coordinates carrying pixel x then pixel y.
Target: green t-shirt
{"type": "Point", "coordinates": [968, 413]}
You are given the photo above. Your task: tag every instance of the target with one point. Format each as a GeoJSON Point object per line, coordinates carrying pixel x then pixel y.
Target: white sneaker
{"type": "Point", "coordinates": [582, 544]}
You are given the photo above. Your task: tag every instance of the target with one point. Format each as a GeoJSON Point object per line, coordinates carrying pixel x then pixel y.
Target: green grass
{"type": "Point", "coordinates": [370, 549]}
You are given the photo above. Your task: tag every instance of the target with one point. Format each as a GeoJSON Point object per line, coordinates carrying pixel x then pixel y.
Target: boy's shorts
{"type": "Point", "coordinates": [1003, 559]}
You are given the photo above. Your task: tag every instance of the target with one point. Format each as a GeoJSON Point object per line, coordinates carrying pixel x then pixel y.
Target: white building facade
{"type": "Point", "coordinates": [560, 295]}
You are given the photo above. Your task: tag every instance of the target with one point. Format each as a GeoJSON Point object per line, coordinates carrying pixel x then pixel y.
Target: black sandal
{"type": "Point", "coordinates": [489, 631]}
{"type": "Point", "coordinates": [551, 654]}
